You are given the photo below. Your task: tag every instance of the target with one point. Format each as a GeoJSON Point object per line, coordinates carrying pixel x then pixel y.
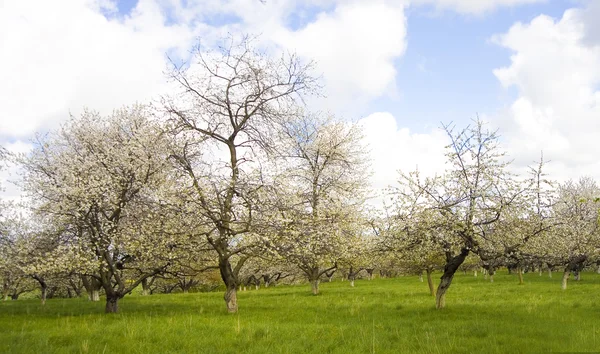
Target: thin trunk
{"type": "Point", "coordinates": [491, 277]}
{"type": "Point", "coordinates": [549, 273]}
{"type": "Point", "coordinates": [352, 283]}
{"type": "Point", "coordinates": [92, 287]}
{"type": "Point", "coordinates": [14, 297]}
{"type": "Point", "coordinates": [598, 270]}
{"type": "Point", "coordinates": [44, 294]}
{"type": "Point", "coordinates": [475, 273]}
{"type": "Point", "coordinates": [145, 288]}
{"type": "Point", "coordinates": [315, 286]}
{"type": "Point", "coordinates": [565, 278]}
{"type": "Point", "coordinates": [421, 277]}
{"type": "Point", "coordinates": [43, 288]}
{"type": "Point", "coordinates": [430, 283]}
{"type": "Point", "coordinates": [229, 279]}
{"type": "Point", "coordinates": [577, 275]}
{"type": "Point", "coordinates": [520, 272]}
{"type": "Point", "coordinates": [112, 305]}
{"type": "Point", "coordinates": [231, 300]}
{"type": "Point", "coordinates": [450, 268]}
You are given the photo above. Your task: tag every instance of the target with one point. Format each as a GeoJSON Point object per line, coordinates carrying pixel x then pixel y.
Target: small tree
{"type": "Point", "coordinates": [323, 182]}
{"type": "Point", "coordinates": [230, 101]}
{"type": "Point", "coordinates": [576, 238]}
{"type": "Point", "coordinates": [100, 178]}
{"type": "Point", "coordinates": [471, 195]}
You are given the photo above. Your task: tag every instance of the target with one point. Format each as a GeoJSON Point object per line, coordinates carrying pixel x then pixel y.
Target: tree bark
{"type": "Point", "coordinates": [520, 272]}
{"type": "Point", "coordinates": [145, 287]}
{"type": "Point", "coordinates": [352, 282]}
{"type": "Point", "coordinates": [577, 275]}
{"type": "Point", "coordinates": [112, 304]}
{"type": "Point", "coordinates": [549, 273]}
{"type": "Point", "coordinates": [450, 268]}
{"type": "Point", "coordinates": [315, 286]}
{"type": "Point", "coordinates": [44, 293]}
{"type": "Point", "coordinates": [231, 284]}
{"type": "Point", "coordinates": [92, 287]}
{"type": "Point", "coordinates": [231, 299]}
{"type": "Point", "coordinates": [43, 287]}
{"type": "Point", "coordinates": [430, 283]}
{"type": "Point", "coordinates": [565, 278]}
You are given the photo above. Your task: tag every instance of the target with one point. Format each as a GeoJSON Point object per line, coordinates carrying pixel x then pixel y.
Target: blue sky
{"type": "Point", "coordinates": [399, 67]}
{"type": "Point", "coordinates": [446, 73]}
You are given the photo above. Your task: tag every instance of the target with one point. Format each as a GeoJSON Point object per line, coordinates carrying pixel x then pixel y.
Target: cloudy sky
{"type": "Point", "coordinates": [531, 68]}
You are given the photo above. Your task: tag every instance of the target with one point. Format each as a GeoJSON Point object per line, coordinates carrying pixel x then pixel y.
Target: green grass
{"type": "Point", "coordinates": [381, 316]}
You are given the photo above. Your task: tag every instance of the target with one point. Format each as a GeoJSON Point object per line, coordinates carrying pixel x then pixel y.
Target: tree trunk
{"type": "Point", "coordinates": [430, 283]}
{"type": "Point", "coordinates": [44, 293]}
{"type": "Point", "coordinates": [231, 284]}
{"type": "Point", "coordinates": [352, 283]}
{"type": "Point", "coordinates": [370, 274]}
{"type": "Point", "coordinates": [231, 300]}
{"type": "Point", "coordinates": [520, 272]}
{"type": "Point", "coordinates": [315, 286]}
{"type": "Point", "coordinates": [92, 287]}
{"type": "Point", "coordinates": [111, 304]}
{"type": "Point", "coordinates": [491, 277]}
{"type": "Point", "coordinates": [421, 277]}
{"type": "Point", "coordinates": [475, 273]}
{"type": "Point", "coordinates": [598, 270]}
{"type": "Point", "coordinates": [549, 273]}
{"type": "Point", "coordinates": [450, 268]}
{"type": "Point", "coordinates": [14, 297]}
{"type": "Point", "coordinates": [577, 275]}
{"type": "Point", "coordinates": [565, 278]}
{"type": "Point", "coordinates": [145, 288]}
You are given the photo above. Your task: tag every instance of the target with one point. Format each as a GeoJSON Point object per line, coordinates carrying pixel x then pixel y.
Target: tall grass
{"type": "Point", "coordinates": [378, 316]}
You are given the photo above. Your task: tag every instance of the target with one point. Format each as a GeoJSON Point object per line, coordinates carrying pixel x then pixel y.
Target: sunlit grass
{"type": "Point", "coordinates": [381, 316]}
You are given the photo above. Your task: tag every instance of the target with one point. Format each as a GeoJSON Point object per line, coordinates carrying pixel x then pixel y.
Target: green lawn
{"type": "Point", "coordinates": [380, 316]}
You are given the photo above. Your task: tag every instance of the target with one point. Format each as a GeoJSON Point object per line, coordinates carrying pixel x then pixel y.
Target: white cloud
{"type": "Point", "coordinates": [355, 47]}
{"type": "Point", "coordinates": [393, 148]}
{"type": "Point", "coordinates": [557, 74]}
{"type": "Point", "coordinates": [476, 7]}
{"type": "Point", "coordinates": [57, 59]}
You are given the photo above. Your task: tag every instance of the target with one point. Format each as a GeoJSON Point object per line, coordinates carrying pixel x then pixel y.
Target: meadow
{"type": "Point", "coordinates": [378, 316]}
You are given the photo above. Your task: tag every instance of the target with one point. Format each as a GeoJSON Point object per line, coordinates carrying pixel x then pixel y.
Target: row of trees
{"type": "Point", "coordinates": [231, 174]}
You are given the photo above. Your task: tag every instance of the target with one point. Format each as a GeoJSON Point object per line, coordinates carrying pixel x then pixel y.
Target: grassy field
{"type": "Point", "coordinates": [378, 316]}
